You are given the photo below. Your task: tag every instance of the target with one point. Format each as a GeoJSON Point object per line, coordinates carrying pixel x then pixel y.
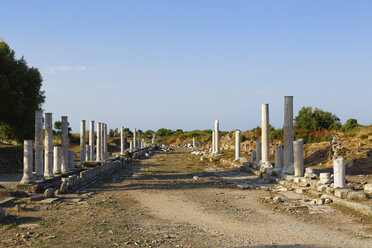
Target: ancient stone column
{"type": "Point", "coordinates": [134, 139]}
{"type": "Point", "coordinates": [193, 142]}
{"type": "Point", "coordinates": [91, 139]}
{"type": "Point", "coordinates": [258, 151]}
{"type": "Point", "coordinates": [102, 141]}
{"type": "Point", "coordinates": [57, 160]}
{"type": "Point", "coordinates": [298, 157]}
{"type": "Point", "coordinates": [98, 145]}
{"type": "Point", "coordinates": [27, 162]}
{"type": "Point", "coordinates": [153, 139]}
{"type": "Point", "coordinates": [253, 157]}
{"type": "Point", "coordinates": [237, 145]}
{"type": "Point", "coordinates": [339, 172]}
{"type": "Point", "coordinates": [87, 154]}
{"type": "Point", "coordinates": [131, 146]}
{"type": "Point", "coordinates": [279, 157]}
{"type": "Point", "coordinates": [48, 173]}
{"type": "Point", "coordinates": [39, 161]}
{"type": "Point", "coordinates": [213, 142]}
{"type": "Point", "coordinates": [71, 159]}
{"type": "Point", "coordinates": [265, 134]}
{"type": "Point", "coordinates": [217, 138]}
{"type": "Point", "coordinates": [64, 145]}
{"type": "Point", "coordinates": [105, 141]}
{"type": "Point", "coordinates": [82, 142]}
{"type": "Point", "coordinates": [122, 140]}
{"type": "Point", "coordinates": [288, 135]}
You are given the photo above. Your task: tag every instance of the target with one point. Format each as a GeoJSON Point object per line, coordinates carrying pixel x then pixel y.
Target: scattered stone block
{"type": "Point", "coordinates": [325, 178]}
{"type": "Point", "coordinates": [277, 199]}
{"type": "Point", "coordinates": [315, 194]}
{"type": "Point", "coordinates": [367, 188]}
{"type": "Point", "coordinates": [330, 190]}
{"type": "Point", "coordinates": [48, 193]}
{"type": "Point", "coordinates": [49, 201]}
{"type": "Point", "coordinates": [3, 214]}
{"type": "Point", "coordinates": [322, 188]}
{"type": "Point", "coordinates": [320, 201]}
{"type": "Point", "coordinates": [301, 190]}
{"type": "Point", "coordinates": [341, 193]}
{"type": "Point", "coordinates": [244, 186]}
{"type": "Point", "coordinates": [356, 196]}
{"type": "Point", "coordinates": [303, 184]}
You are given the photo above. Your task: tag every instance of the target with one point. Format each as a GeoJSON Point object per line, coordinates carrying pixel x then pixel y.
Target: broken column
{"type": "Point", "coordinates": [122, 140]}
{"type": "Point", "coordinates": [339, 172]}
{"type": "Point", "coordinates": [87, 154]}
{"type": "Point", "coordinates": [217, 138]}
{"type": "Point", "coordinates": [131, 146]}
{"type": "Point", "coordinates": [193, 142]}
{"type": "Point", "coordinates": [39, 161]}
{"type": "Point", "coordinates": [98, 145]}
{"type": "Point", "coordinates": [134, 139]}
{"type": "Point", "coordinates": [48, 173]}
{"type": "Point", "coordinates": [237, 145]}
{"type": "Point", "coordinates": [82, 142]}
{"type": "Point", "coordinates": [258, 151]}
{"type": "Point", "coordinates": [265, 134]}
{"type": "Point", "coordinates": [71, 159]}
{"type": "Point", "coordinates": [57, 160]}
{"type": "Point", "coordinates": [253, 157]}
{"type": "Point", "coordinates": [288, 135]}
{"type": "Point", "coordinates": [91, 139]}
{"type": "Point", "coordinates": [102, 141]}
{"type": "Point", "coordinates": [153, 139]}
{"type": "Point", "coordinates": [279, 157]}
{"type": "Point", "coordinates": [27, 162]}
{"type": "Point", "coordinates": [298, 157]}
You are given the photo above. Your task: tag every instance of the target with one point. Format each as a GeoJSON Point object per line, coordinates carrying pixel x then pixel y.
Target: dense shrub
{"type": "Point", "coordinates": [349, 125]}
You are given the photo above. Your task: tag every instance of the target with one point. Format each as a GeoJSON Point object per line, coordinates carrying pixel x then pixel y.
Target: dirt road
{"type": "Point", "coordinates": [175, 200]}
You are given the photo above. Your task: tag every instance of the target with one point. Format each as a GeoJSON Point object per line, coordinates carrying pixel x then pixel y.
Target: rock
{"type": "Point", "coordinates": [49, 201]}
{"type": "Point", "coordinates": [3, 214]}
{"type": "Point", "coordinates": [244, 186]}
{"type": "Point", "coordinates": [277, 199]}
{"type": "Point", "coordinates": [325, 178]}
{"type": "Point", "coordinates": [202, 158]}
{"type": "Point", "coordinates": [301, 190]}
{"type": "Point", "coordinates": [356, 196]}
{"type": "Point", "coordinates": [49, 192]}
{"type": "Point", "coordinates": [367, 188]}
{"type": "Point", "coordinates": [64, 187]}
{"type": "Point", "coordinates": [341, 193]}
{"type": "Point", "coordinates": [327, 200]}
{"type": "Point", "coordinates": [320, 201]}
{"type": "Point", "coordinates": [195, 178]}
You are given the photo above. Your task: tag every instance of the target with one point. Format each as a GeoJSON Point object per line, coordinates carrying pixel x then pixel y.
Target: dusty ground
{"type": "Point", "coordinates": [158, 203]}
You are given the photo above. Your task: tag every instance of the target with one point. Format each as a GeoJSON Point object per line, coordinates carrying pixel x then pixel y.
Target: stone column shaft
{"type": "Point", "coordinates": [237, 145]}
{"type": "Point", "coordinates": [217, 138]}
{"type": "Point", "coordinates": [134, 146]}
{"type": "Point", "coordinates": [288, 135]}
{"type": "Point", "coordinates": [279, 157]}
{"type": "Point", "coordinates": [82, 142]}
{"type": "Point", "coordinates": [298, 156]}
{"type": "Point", "coordinates": [57, 160]}
{"type": "Point", "coordinates": [98, 145]}
{"type": "Point", "coordinates": [153, 139]}
{"type": "Point", "coordinates": [27, 162]}
{"type": "Point", "coordinates": [91, 139]}
{"type": "Point", "coordinates": [339, 173]}
{"type": "Point", "coordinates": [122, 140]}
{"type": "Point", "coordinates": [102, 141]}
{"type": "Point", "coordinates": [71, 159]}
{"type": "Point", "coordinates": [258, 151]}
{"type": "Point", "coordinates": [265, 134]}
{"type": "Point", "coordinates": [87, 154]}
{"type": "Point", "coordinates": [105, 141]}
{"type": "Point", "coordinates": [213, 142]}
{"type": "Point", "coordinates": [39, 161]}
{"type": "Point", "coordinates": [253, 157]}
{"type": "Point", "coordinates": [64, 145]}
{"type": "Point", "coordinates": [48, 146]}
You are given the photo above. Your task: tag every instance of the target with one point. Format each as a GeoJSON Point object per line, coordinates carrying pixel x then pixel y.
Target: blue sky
{"type": "Point", "coordinates": [183, 64]}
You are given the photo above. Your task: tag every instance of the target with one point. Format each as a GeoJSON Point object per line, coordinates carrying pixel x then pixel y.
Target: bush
{"type": "Point", "coordinates": [310, 120]}
{"type": "Point", "coordinates": [349, 125]}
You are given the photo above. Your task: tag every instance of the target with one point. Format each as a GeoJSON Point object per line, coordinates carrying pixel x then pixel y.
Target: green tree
{"type": "Point", "coordinates": [20, 95]}
{"type": "Point", "coordinates": [350, 124]}
{"type": "Point", "coordinates": [311, 120]}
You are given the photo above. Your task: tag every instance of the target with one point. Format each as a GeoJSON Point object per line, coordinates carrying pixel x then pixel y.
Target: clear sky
{"type": "Point", "coordinates": [183, 64]}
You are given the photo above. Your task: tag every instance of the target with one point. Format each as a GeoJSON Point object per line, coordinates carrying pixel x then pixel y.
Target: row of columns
{"type": "Point", "coordinates": [49, 160]}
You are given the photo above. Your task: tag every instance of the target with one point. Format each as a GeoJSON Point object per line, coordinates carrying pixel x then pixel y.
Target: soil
{"type": "Point", "coordinates": [175, 200]}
